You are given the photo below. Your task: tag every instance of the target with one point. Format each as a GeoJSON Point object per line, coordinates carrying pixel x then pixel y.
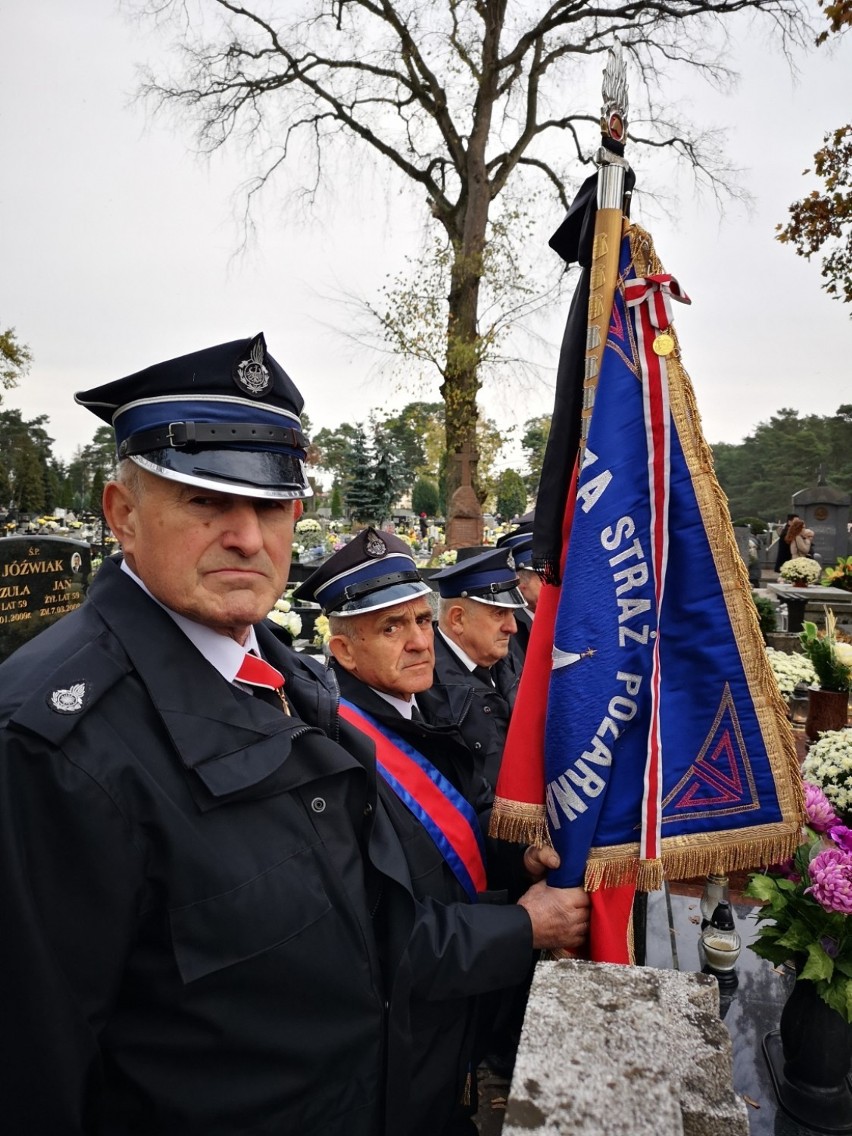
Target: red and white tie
{"type": "Point", "coordinates": [255, 671]}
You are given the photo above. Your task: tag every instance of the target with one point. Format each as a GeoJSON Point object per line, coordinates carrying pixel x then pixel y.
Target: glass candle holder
{"type": "Point", "coordinates": [721, 941]}
{"type": "Point", "coordinates": [715, 892]}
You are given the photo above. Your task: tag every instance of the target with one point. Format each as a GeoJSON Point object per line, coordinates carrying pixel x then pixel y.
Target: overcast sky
{"type": "Point", "coordinates": [117, 243]}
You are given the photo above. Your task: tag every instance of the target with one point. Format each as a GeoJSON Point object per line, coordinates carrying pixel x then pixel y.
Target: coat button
{"type": "Point", "coordinates": [368, 809]}
{"type": "Point", "coordinates": [486, 709]}
{"type": "Point", "coordinates": [318, 805]}
{"type": "Point", "coordinates": [477, 745]}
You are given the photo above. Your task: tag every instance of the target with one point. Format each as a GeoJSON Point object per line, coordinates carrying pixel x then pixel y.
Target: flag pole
{"type": "Point", "coordinates": [609, 221]}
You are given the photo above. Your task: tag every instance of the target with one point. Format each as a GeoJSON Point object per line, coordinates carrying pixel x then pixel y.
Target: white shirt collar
{"type": "Point", "coordinates": [221, 651]}
{"type": "Point", "coordinates": [463, 655]}
{"type": "Point", "coordinates": [399, 704]}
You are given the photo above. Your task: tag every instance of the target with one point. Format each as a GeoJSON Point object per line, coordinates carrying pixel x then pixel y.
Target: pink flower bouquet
{"type": "Point", "coordinates": [807, 902]}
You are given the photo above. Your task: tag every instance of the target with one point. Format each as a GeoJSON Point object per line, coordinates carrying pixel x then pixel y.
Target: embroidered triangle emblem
{"type": "Point", "coordinates": [720, 780]}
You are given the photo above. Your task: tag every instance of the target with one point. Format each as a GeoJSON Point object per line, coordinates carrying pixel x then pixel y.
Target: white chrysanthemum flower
{"type": "Point", "coordinates": [829, 764]}
{"type": "Point", "coordinates": [801, 568]}
{"type": "Point", "coordinates": [289, 620]}
{"type": "Point", "coordinates": [790, 671]}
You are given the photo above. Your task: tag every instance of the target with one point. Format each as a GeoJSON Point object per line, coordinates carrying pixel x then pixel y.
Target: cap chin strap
{"type": "Point", "coordinates": [355, 591]}
{"type": "Point", "coordinates": [491, 589]}
{"type": "Point", "coordinates": [200, 435]}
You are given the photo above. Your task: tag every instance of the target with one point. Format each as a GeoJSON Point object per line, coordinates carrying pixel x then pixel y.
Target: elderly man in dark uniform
{"type": "Point", "coordinates": [480, 609]}
{"type": "Point", "coordinates": [382, 658]}
{"type": "Point", "coordinates": [476, 621]}
{"type": "Point", "coordinates": [209, 928]}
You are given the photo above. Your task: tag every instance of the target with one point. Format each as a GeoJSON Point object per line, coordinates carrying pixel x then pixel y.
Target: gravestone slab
{"type": "Point", "coordinates": [825, 509]}
{"type": "Point", "coordinates": [42, 578]}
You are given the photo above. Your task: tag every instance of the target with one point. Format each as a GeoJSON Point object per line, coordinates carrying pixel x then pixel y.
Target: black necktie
{"type": "Point", "coordinates": [416, 716]}
{"type": "Point", "coordinates": [484, 675]}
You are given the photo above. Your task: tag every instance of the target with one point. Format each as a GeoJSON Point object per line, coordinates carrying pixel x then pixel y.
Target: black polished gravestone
{"type": "Point", "coordinates": [41, 579]}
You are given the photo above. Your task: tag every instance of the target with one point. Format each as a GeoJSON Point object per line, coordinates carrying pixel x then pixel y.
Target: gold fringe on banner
{"type": "Point", "coordinates": [685, 858]}
{"type": "Point", "coordinates": [519, 822]}
{"type": "Point", "coordinates": [758, 846]}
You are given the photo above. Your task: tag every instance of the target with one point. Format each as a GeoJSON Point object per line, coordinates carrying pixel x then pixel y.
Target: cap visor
{"type": "Point", "coordinates": [384, 597]}
{"type": "Point", "coordinates": [510, 598]}
{"type": "Point", "coordinates": [248, 473]}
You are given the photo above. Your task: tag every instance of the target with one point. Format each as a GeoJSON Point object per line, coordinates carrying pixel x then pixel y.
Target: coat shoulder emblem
{"type": "Point", "coordinates": [68, 701]}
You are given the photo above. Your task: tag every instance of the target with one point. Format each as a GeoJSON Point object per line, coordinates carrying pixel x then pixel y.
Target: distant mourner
{"type": "Point", "coordinates": [208, 924]}
{"type": "Point", "coordinates": [382, 646]}
{"type": "Point", "coordinates": [519, 542]}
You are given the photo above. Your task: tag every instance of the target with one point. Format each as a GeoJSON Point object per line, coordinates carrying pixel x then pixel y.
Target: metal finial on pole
{"type": "Point", "coordinates": [612, 172]}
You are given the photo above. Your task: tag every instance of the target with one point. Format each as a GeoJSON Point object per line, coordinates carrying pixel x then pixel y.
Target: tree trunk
{"type": "Point", "coordinates": [467, 229]}
{"type": "Point", "coordinates": [461, 379]}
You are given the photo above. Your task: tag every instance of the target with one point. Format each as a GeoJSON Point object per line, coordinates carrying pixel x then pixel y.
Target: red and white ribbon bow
{"type": "Point", "coordinates": [656, 292]}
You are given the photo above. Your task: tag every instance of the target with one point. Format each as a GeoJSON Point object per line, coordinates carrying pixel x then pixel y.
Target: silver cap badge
{"type": "Point", "coordinates": [375, 546]}
{"type": "Point", "coordinates": [251, 374]}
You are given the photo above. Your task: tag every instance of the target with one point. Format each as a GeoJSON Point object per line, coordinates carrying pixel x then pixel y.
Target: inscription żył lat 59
{"type": "Point", "coordinates": [42, 578]}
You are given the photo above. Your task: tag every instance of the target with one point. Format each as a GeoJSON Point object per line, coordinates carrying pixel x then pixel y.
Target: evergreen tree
{"type": "Point", "coordinates": [26, 454]}
{"type": "Point", "coordinates": [359, 492]}
{"type": "Point", "coordinates": [511, 494]}
{"type": "Point", "coordinates": [336, 501]}
{"type": "Point", "coordinates": [388, 479]}
{"type": "Point", "coordinates": [424, 497]}
{"type": "Point", "coordinates": [782, 456]}
{"type": "Point", "coordinates": [28, 484]}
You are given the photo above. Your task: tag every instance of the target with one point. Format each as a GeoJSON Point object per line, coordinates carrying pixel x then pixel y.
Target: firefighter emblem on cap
{"type": "Point", "coordinates": [251, 374]}
{"type": "Point", "coordinates": [374, 545]}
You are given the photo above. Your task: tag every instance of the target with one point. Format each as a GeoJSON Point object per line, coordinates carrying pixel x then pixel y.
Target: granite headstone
{"type": "Point", "coordinates": [42, 578]}
{"type": "Point", "coordinates": [825, 509]}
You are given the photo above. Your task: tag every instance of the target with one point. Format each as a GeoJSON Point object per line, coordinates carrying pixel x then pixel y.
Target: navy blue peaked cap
{"type": "Point", "coordinates": [517, 536]}
{"type": "Point", "coordinates": [226, 417]}
{"type": "Point", "coordinates": [375, 570]}
{"type": "Point", "coordinates": [489, 577]}
{"type": "Point", "coordinates": [519, 540]}
{"type": "Point", "coordinates": [522, 551]}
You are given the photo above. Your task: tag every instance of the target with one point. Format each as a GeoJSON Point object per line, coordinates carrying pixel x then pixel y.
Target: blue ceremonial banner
{"type": "Point", "coordinates": [667, 748]}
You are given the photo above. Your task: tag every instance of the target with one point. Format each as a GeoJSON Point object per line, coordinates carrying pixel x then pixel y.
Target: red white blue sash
{"type": "Point", "coordinates": [445, 814]}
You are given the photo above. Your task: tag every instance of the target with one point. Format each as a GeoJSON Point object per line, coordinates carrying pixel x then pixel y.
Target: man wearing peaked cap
{"type": "Point", "coordinates": [479, 597]}
{"type": "Point", "coordinates": [529, 582]}
{"type": "Point", "coordinates": [381, 644]}
{"type": "Point", "coordinates": [180, 844]}
{"type": "Point", "coordinates": [529, 585]}
{"type": "Point", "coordinates": [372, 571]}
{"type": "Point", "coordinates": [477, 625]}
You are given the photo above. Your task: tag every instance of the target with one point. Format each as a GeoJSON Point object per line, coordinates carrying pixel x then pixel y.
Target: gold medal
{"type": "Point", "coordinates": [663, 344]}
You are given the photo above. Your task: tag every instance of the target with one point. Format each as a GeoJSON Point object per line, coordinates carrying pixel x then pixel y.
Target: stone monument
{"type": "Point", "coordinates": [41, 579]}
{"type": "Point", "coordinates": [464, 520]}
{"type": "Point", "coordinates": [825, 509]}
